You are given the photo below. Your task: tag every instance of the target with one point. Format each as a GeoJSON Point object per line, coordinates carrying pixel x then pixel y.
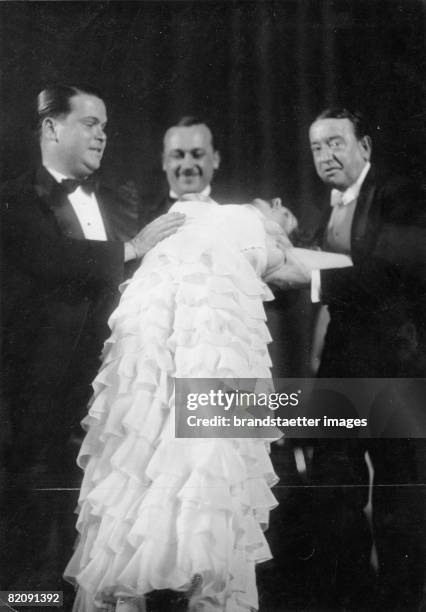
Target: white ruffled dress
{"type": "Point", "coordinates": [154, 510]}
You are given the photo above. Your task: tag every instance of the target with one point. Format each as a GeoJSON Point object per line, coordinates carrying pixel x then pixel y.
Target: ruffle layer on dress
{"type": "Point", "coordinates": [155, 511]}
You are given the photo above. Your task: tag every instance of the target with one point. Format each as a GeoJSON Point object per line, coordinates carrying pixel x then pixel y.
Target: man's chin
{"type": "Point", "coordinates": [333, 182]}
{"type": "Point", "coordinates": [193, 188]}
{"type": "Point", "coordinates": [93, 163]}
{"type": "Point", "coordinates": [91, 168]}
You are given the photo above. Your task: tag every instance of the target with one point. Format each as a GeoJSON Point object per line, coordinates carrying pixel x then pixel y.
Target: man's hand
{"type": "Point", "coordinates": [151, 234]}
{"type": "Point", "coordinates": [290, 275]}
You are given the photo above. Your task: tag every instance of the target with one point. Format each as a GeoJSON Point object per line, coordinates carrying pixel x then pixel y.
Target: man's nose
{"type": "Point", "coordinates": [187, 161]}
{"type": "Point", "coordinates": [100, 133]}
{"type": "Point", "coordinates": [324, 154]}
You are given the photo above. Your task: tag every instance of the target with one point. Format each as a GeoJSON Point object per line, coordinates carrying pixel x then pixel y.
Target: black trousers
{"type": "Point", "coordinates": [342, 573]}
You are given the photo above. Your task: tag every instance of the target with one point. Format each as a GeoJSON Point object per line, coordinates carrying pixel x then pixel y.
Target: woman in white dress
{"type": "Point", "coordinates": [159, 512]}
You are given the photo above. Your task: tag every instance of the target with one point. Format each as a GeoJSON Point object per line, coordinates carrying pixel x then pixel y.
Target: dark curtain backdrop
{"type": "Point", "coordinates": [257, 71]}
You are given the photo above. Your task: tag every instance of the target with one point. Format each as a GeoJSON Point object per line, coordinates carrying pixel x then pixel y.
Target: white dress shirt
{"type": "Point", "coordinates": [86, 208]}
{"type": "Point", "coordinates": [340, 223]}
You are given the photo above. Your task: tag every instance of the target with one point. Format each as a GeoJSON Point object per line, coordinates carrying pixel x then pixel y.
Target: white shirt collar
{"type": "Point", "coordinates": [206, 192]}
{"type": "Point", "coordinates": [352, 192]}
{"type": "Point", "coordinates": [58, 176]}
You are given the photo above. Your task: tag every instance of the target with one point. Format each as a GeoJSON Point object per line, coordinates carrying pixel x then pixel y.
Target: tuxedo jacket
{"type": "Point", "coordinates": [58, 290]}
{"type": "Point", "coordinates": [370, 302]}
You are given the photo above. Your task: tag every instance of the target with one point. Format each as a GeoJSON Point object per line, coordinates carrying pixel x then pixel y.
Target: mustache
{"type": "Point", "coordinates": [195, 171]}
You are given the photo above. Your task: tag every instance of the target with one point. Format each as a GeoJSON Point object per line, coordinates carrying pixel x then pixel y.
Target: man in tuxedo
{"type": "Point", "coordinates": [189, 160]}
{"type": "Point", "coordinates": [65, 240]}
{"type": "Point", "coordinates": [380, 222]}
{"type": "Point", "coordinates": [373, 305]}
{"type": "Point", "coordinates": [363, 204]}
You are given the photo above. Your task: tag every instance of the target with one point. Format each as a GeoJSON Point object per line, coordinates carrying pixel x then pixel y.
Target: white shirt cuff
{"type": "Point", "coordinates": [315, 286]}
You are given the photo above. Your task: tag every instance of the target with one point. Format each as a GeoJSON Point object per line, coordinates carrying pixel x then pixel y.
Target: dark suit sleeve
{"type": "Point", "coordinates": [398, 250]}
{"type": "Point", "coordinates": [30, 241]}
{"type": "Point", "coordinates": [404, 246]}
{"type": "Point", "coordinates": [364, 283]}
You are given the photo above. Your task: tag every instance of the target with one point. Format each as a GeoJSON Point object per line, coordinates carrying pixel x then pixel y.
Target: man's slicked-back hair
{"type": "Point", "coordinates": [190, 120]}
{"type": "Point", "coordinates": [55, 101]}
{"type": "Point", "coordinates": [357, 119]}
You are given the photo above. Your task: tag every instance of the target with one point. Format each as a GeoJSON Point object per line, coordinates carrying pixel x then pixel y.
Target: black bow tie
{"type": "Point", "coordinates": [88, 184]}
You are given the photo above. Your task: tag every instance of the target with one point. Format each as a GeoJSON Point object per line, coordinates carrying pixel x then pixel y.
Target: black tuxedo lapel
{"type": "Point", "coordinates": [54, 196]}
{"type": "Point", "coordinates": [168, 203]}
{"type": "Point", "coordinates": [104, 208]}
{"type": "Point", "coordinates": [363, 225]}
{"type": "Point", "coordinates": [164, 205]}
{"type": "Point", "coordinates": [65, 216]}
{"type": "Point", "coordinates": [120, 216]}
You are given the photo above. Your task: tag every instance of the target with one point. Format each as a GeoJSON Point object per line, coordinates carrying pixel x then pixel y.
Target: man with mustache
{"type": "Point", "coordinates": [65, 240]}
{"type": "Point", "coordinates": [189, 159]}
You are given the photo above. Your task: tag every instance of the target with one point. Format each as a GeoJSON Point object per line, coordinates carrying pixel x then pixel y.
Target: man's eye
{"type": "Point", "coordinates": [335, 144]}
{"type": "Point", "coordinates": [198, 154]}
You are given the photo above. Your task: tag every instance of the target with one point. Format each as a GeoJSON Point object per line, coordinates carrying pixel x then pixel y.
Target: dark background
{"type": "Point", "coordinates": [258, 72]}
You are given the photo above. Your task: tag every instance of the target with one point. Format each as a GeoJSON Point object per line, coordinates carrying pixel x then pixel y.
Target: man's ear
{"type": "Point", "coordinates": [49, 129]}
{"type": "Point", "coordinates": [366, 147]}
{"type": "Point", "coordinates": [216, 160]}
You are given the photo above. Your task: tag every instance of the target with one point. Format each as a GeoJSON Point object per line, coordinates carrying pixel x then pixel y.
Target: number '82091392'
{"type": "Point", "coordinates": [31, 598]}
